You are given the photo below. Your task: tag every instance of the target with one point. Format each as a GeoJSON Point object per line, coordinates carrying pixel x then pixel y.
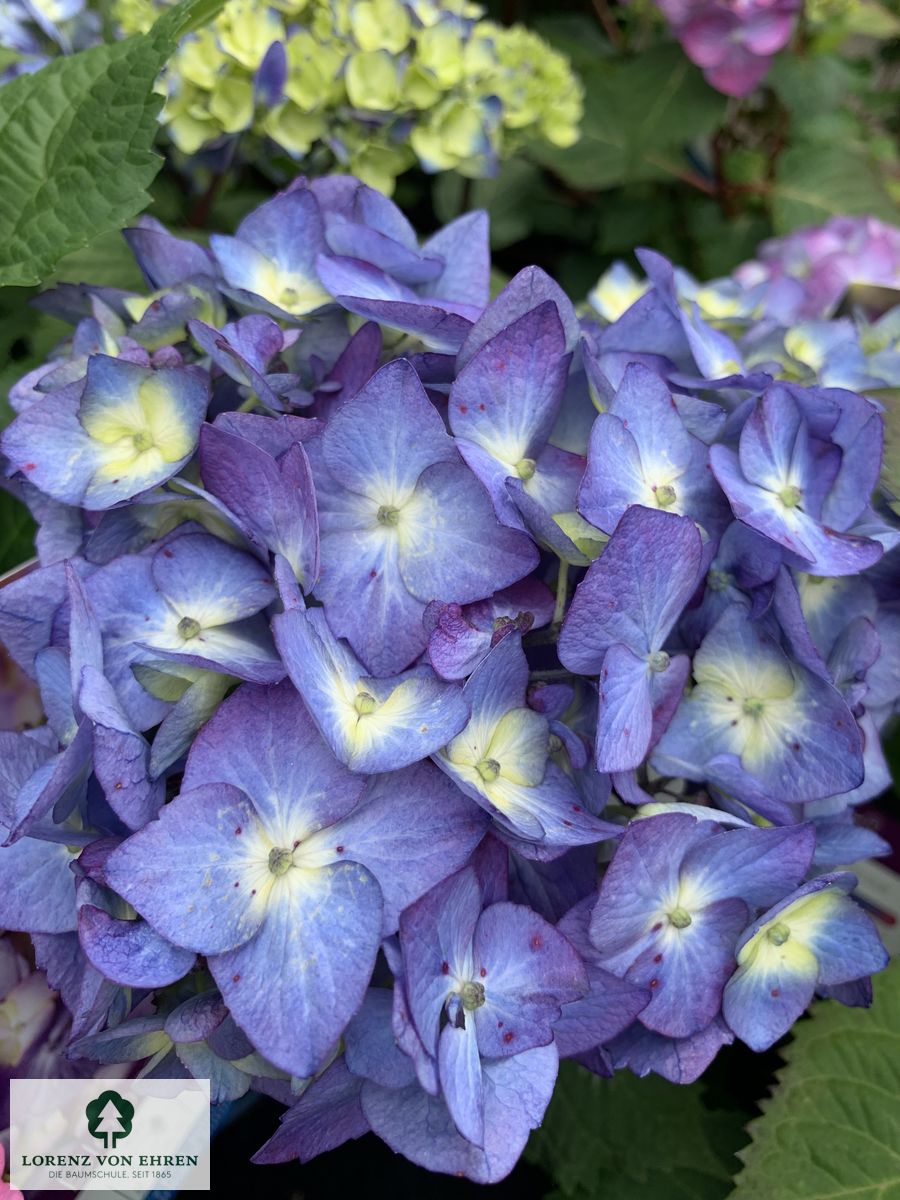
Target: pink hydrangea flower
{"type": "Point", "coordinates": [809, 271]}
{"type": "Point", "coordinates": [733, 41]}
{"type": "Point", "coordinates": [7, 1191]}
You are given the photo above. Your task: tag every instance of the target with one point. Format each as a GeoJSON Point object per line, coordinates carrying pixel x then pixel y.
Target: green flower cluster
{"type": "Point", "coordinates": [372, 85]}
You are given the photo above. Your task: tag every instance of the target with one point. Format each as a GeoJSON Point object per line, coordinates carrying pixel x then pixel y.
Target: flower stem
{"type": "Point", "coordinates": [562, 594]}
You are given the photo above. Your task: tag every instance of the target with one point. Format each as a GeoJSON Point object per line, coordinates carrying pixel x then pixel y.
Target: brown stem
{"type": "Point", "coordinates": [608, 21]}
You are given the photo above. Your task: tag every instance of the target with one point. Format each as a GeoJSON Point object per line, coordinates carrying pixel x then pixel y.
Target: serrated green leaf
{"type": "Point", "coordinates": [622, 1138]}
{"type": "Point", "coordinates": [639, 116]}
{"type": "Point", "coordinates": [816, 181]}
{"type": "Point", "coordinates": [832, 1127]}
{"type": "Point", "coordinates": [16, 533]}
{"type": "Point", "coordinates": [76, 143]}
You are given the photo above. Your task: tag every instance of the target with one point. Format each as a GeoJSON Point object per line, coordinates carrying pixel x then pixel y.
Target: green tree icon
{"type": "Point", "coordinates": [109, 1117]}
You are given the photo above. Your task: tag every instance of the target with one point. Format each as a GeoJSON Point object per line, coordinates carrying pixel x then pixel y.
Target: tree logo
{"type": "Point", "coordinates": [109, 1117]}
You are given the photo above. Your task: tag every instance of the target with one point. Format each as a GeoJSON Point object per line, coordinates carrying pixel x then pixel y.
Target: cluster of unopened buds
{"type": "Point", "coordinates": [436, 686]}
{"type": "Point", "coordinates": [375, 86]}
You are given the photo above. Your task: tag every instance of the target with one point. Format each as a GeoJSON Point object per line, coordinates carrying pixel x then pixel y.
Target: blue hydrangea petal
{"type": "Point", "coordinates": [48, 444]}
{"type": "Point", "coordinates": [38, 895]}
{"type": "Point", "coordinates": [611, 1003]}
{"type": "Point", "coordinates": [635, 591]}
{"type": "Point", "coordinates": [325, 1116]}
{"type": "Point", "coordinates": [412, 715]}
{"type": "Point", "coordinates": [370, 1049]}
{"type": "Point", "coordinates": [436, 937]}
{"type": "Point", "coordinates": [210, 581]}
{"type": "Point", "coordinates": [366, 444]}
{"type": "Point", "coordinates": [464, 248]}
{"type": "Point", "coordinates": [478, 556]}
{"type": "Point", "coordinates": [462, 1085]}
{"type": "Point", "coordinates": [686, 969]}
{"type": "Point", "coordinates": [303, 788]}
{"type": "Point", "coordinates": [644, 870]}
{"type": "Point", "coordinates": [625, 716]}
{"type": "Point", "coordinates": [411, 830]}
{"type": "Point", "coordinates": [274, 502]}
{"type": "Point", "coordinates": [759, 865]}
{"type": "Point", "coordinates": [517, 1091]}
{"type": "Point", "coordinates": [130, 952]}
{"type": "Point", "coordinates": [524, 292]}
{"type": "Point", "coordinates": [294, 985]}
{"type": "Point", "coordinates": [528, 970]}
{"type": "Point", "coordinates": [507, 398]}
{"type": "Point", "coordinates": [680, 1060]}
{"type": "Point", "coordinates": [180, 871]}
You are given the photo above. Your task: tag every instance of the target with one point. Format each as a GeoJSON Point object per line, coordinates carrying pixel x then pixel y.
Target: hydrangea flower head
{"type": "Point", "coordinates": [422, 710]}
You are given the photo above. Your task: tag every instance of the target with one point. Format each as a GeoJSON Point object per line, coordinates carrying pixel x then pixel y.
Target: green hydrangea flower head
{"type": "Point", "coordinates": [365, 86]}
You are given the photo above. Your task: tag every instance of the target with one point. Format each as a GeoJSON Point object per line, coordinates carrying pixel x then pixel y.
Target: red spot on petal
{"type": "Point", "coordinates": [656, 927]}
{"type": "Point", "coordinates": [536, 942]}
{"type": "Point", "coordinates": [776, 992]}
{"type": "Point", "coordinates": [238, 831]}
{"type": "Point", "coordinates": [482, 407]}
{"type": "Point", "coordinates": [296, 844]}
{"type": "Point", "coordinates": [30, 466]}
{"type": "Point", "coordinates": [576, 808]}
{"type": "Point", "coordinates": [253, 891]}
{"type": "Point", "coordinates": [795, 745]}
{"type": "Point", "coordinates": [508, 1036]}
{"type": "Point", "coordinates": [499, 1024]}
{"type": "Point", "coordinates": [166, 553]}
{"type": "Point", "coordinates": [654, 983]}
{"type": "Point", "coordinates": [118, 786]}
{"type": "Point", "coordinates": [373, 573]}
{"type": "Point", "coordinates": [235, 979]}
{"type": "Point", "coordinates": [445, 968]}
{"type": "Point", "coordinates": [464, 408]}
{"type": "Point", "coordinates": [339, 849]}
{"type": "Point", "coordinates": [237, 883]}
{"type": "Point", "coordinates": [483, 972]}
{"type": "Point", "coordinates": [568, 824]}
{"type": "Point", "coordinates": [657, 958]}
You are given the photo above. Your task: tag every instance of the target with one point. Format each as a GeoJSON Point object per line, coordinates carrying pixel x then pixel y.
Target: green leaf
{"type": "Point", "coordinates": [816, 181]}
{"type": "Point", "coordinates": [622, 1138]}
{"type": "Point", "coordinates": [809, 85]}
{"type": "Point", "coordinates": [509, 197]}
{"type": "Point", "coordinates": [831, 1128]}
{"type": "Point", "coordinates": [76, 143]}
{"type": "Point", "coordinates": [105, 262]}
{"type": "Point", "coordinates": [16, 533]}
{"type": "Point", "coordinates": [890, 469]}
{"type": "Point", "coordinates": [639, 116]}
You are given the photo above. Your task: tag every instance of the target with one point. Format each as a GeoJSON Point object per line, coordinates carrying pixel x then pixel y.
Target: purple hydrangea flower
{"type": "Point", "coordinates": [402, 522]}
{"type": "Point", "coordinates": [261, 864]}
{"type": "Point", "coordinates": [618, 623]}
{"type": "Point", "coordinates": [674, 902]}
{"type": "Point", "coordinates": [815, 937]}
